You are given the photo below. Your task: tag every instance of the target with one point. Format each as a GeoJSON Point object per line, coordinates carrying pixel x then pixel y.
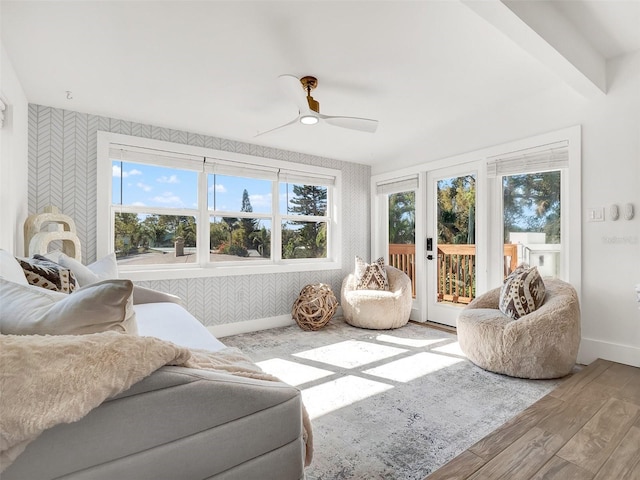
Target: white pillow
{"type": "Point", "coordinates": [31, 310]}
{"type": "Point", "coordinates": [104, 269]}
{"type": "Point", "coordinates": [10, 269]}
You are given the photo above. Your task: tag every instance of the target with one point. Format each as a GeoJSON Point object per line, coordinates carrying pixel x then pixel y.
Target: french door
{"type": "Point", "coordinates": [454, 263]}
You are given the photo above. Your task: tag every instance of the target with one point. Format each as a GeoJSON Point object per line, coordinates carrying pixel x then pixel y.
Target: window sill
{"type": "Point", "coordinates": [197, 271]}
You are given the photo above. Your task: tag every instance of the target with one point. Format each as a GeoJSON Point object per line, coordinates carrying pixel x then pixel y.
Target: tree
{"type": "Point", "coordinates": [456, 210]}
{"type": "Point", "coordinates": [306, 239]}
{"type": "Point", "coordinates": [531, 203]}
{"type": "Point", "coordinates": [249, 225]}
{"type": "Point", "coordinates": [126, 232]}
{"type": "Point", "coordinates": [402, 217]}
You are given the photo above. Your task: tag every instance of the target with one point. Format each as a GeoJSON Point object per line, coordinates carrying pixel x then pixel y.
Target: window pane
{"type": "Point", "coordinates": [456, 240]}
{"type": "Point", "coordinates": [239, 239]}
{"type": "Point", "coordinates": [402, 239]}
{"type": "Point", "coordinates": [531, 212]}
{"type": "Point", "coordinates": [238, 194]}
{"type": "Point", "coordinates": [147, 185]}
{"type": "Point", "coordinates": [304, 240]}
{"type": "Point", "coordinates": [143, 239]}
{"type": "Point", "coordinates": [303, 199]}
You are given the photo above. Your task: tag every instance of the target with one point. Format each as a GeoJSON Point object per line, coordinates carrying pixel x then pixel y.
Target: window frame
{"type": "Point", "coordinates": [229, 162]}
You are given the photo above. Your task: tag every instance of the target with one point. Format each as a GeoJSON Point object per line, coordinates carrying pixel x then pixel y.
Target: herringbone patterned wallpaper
{"type": "Point", "coordinates": [62, 172]}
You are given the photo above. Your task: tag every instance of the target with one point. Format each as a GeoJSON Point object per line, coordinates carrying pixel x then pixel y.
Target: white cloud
{"type": "Point", "coordinates": [168, 198]}
{"type": "Point", "coordinates": [170, 179]}
{"type": "Point", "coordinates": [117, 172]}
{"type": "Point", "coordinates": [144, 187]}
{"type": "Point", "coordinates": [259, 200]}
{"type": "Point", "coordinates": [218, 188]}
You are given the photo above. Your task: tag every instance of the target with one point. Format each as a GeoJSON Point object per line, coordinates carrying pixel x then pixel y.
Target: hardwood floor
{"type": "Point", "coordinates": [586, 429]}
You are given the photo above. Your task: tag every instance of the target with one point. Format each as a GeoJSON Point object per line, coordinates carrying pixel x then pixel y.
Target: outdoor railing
{"type": "Point", "coordinates": [456, 268]}
{"type": "Point", "coordinates": [403, 257]}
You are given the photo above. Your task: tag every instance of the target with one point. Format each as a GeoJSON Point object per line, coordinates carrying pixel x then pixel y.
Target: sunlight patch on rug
{"type": "Point", "coordinates": [331, 396]}
{"type": "Point", "coordinates": [350, 353]}
{"type": "Point", "coordinates": [408, 342]}
{"type": "Point", "coordinates": [415, 366]}
{"type": "Point", "coordinates": [292, 373]}
{"type": "Point", "coordinates": [452, 348]}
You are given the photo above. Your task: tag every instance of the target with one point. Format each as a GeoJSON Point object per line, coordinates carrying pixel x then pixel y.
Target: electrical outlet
{"type": "Point", "coordinates": [595, 214]}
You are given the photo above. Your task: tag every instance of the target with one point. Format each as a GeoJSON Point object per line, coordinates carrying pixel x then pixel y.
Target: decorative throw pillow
{"type": "Point", "coordinates": [522, 293]}
{"type": "Point", "coordinates": [371, 276]}
{"type": "Point", "coordinates": [45, 273]}
{"type": "Point", "coordinates": [103, 306]}
{"type": "Point", "coordinates": [104, 269]}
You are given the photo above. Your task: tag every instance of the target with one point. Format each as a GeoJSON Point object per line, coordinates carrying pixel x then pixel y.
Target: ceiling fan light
{"type": "Point", "coordinates": [309, 119]}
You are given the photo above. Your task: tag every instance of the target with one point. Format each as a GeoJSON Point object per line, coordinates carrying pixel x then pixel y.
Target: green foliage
{"type": "Point", "coordinates": [531, 203]}
{"type": "Point", "coordinates": [456, 210]}
{"type": "Point", "coordinates": [218, 234]}
{"type": "Point", "coordinates": [261, 241]}
{"type": "Point", "coordinates": [302, 239]}
{"type": "Point", "coordinates": [402, 217]}
{"type": "Point", "coordinates": [133, 235]}
{"type": "Point", "coordinates": [249, 225]}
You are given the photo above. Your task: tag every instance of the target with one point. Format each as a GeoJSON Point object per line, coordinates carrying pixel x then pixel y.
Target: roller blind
{"type": "Point", "coordinates": [126, 153]}
{"type": "Point", "coordinates": [538, 159]}
{"type": "Point", "coordinates": [239, 169]}
{"type": "Point", "coordinates": [397, 185]}
{"type": "Point", "coordinates": [305, 178]}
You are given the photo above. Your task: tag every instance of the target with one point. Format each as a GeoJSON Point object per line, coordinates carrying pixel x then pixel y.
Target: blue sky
{"type": "Point", "coordinates": [153, 186]}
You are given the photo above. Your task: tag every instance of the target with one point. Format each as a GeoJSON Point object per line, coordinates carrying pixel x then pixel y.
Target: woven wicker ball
{"type": "Point", "coordinates": [314, 307]}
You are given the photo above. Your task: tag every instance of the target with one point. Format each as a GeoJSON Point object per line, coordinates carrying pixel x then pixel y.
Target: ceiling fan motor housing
{"type": "Point", "coordinates": [309, 83]}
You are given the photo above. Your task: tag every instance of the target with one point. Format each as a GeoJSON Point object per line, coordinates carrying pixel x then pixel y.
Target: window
{"type": "Point", "coordinates": [531, 184]}
{"type": "Point", "coordinates": [171, 207]}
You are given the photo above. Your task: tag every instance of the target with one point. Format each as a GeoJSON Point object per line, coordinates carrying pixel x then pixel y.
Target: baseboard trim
{"type": "Point", "coordinates": [591, 350]}
{"type": "Point", "coordinates": [248, 326]}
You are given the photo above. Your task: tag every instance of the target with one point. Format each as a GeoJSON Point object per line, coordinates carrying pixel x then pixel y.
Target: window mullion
{"type": "Point", "coordinates": [203, 221]}
{"type": "Point", "coordinates": [276, 224]}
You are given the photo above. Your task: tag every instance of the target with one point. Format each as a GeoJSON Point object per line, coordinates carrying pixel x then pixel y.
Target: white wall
{"type": "Point", "coordinates": [13, 158]}
{"type": "Point", "coordinates": [610, 174]}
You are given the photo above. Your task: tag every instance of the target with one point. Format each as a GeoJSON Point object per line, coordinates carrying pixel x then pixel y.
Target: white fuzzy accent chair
{"type": "Point", "coordinates": [542, 344]}
{"type": "Point", "coordinates": [378, 309]}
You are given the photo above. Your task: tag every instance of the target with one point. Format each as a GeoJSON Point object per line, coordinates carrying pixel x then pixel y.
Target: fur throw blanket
{"type": "Point", "coordinates": [48, 380]}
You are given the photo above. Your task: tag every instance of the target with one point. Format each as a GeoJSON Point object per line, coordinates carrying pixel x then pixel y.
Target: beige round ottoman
{"type": "Point", "coordinates": [542, 344]}
{"type": "Point", "coordinates": [378, 309]}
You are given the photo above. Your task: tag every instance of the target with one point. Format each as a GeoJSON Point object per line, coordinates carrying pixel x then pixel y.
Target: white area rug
{"type": "Point", "coordinates": [388, 404]}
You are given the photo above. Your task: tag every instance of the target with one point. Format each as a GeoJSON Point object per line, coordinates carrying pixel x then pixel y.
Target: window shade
{"type": "Point", "coordinates": [305, 178]}
{"type": "Point", "coordinates": [239, 169]}
{"type": "Point", "coordinates": [545, 157]}
{"type": "Point", "coordinates": [162, 158]}
{"type": "Point", "coordinates": [398, 185]}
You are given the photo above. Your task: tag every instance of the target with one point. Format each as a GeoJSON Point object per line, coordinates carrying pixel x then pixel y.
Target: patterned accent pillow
{"type": "Point", "coordinates": [371, 276]}
{"type": "Point", "coordinates": [45, 273]}
{"type": "Point", "coordinates": [522, 293]}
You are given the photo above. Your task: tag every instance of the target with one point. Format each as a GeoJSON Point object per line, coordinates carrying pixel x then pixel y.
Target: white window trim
{"type": "Point", "coordinates": [104, 230]}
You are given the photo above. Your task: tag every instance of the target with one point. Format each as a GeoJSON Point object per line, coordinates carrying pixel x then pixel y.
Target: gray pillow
{"type": "Point", "coordinates": [102, 306]}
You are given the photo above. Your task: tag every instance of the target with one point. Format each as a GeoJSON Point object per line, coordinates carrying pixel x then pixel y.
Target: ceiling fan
{"type": "Point", "coordinates": [309, 108]}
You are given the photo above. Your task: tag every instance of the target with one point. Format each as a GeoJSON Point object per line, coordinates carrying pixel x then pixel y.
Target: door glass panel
{"type": "Point", "coordinates": [402, 234]}
{"type": "Point", "coordinates": [456, 274]}
{"type": "Point", "coordinates": [531, 214]}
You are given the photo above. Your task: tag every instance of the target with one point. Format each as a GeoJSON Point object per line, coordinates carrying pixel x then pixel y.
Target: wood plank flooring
{"type": "Point", "coordinates": [588, 428]}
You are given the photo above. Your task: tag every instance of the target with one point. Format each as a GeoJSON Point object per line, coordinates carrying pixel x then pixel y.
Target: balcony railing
{"type": "Point", "coordinates": [403, 257]}
{"type": "Point", "coordinates": [456, 268]}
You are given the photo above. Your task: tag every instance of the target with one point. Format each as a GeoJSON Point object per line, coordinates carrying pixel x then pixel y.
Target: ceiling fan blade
{"type": "Point", "coordinates": [292, 88]}
{"type": "Point", "coordinates": [295, 120]}
{"type": "Point", "coordinates": [353, 123]}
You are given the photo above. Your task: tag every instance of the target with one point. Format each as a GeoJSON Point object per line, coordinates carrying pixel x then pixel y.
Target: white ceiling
{"type": "Point", "coordinates": [211, 67]}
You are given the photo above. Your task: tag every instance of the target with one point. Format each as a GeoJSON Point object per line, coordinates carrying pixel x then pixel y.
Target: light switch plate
{"type": "Point", "coordinates": [595, 214]}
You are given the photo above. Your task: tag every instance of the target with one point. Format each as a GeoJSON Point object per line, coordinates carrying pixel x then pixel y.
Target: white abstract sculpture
{"type": "Point", "coordinates": [38, 234]}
